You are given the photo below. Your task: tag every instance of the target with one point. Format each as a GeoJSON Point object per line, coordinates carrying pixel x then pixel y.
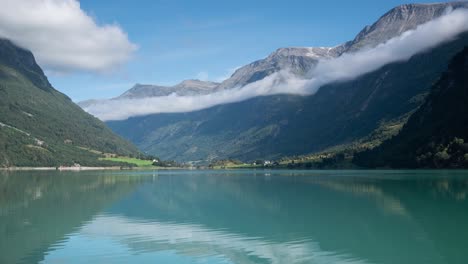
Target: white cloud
{"type": "Point", "coordinates": [205, 76]}
{"type": "Point", "coordinates": [345, 67]}
{"type": "Point", "coordinates": [62, 36]}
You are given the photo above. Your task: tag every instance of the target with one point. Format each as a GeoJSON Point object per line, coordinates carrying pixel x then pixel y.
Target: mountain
{"type": "Point", "coordinates": [436, 135]}
{"type": "Point", "coordinates": [276, 126]}
{"type": "Point", "coordinates": [297, 60]}
{"type": "Point", "coordinates": [300, 60]}
{"type": "Point", "coordinates": [40, 126]}
{"type": "Point", "coordinates": [285, 125]}
{"type": "Point", "coordinates": [75, 198]}
{"type": "Point", "coordinates": [398, 20]}
{"type": "Point", "coordinates": [185, 88]}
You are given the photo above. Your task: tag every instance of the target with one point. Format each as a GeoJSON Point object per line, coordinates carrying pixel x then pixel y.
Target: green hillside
{"type": "Point", "coordinates": [436, 135]}
{"type": "Point", "coordinates": [40, 126]}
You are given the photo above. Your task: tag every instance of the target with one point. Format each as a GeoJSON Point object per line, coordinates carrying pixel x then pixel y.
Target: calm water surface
{"type": "Point", "coordinates": [234, 217]}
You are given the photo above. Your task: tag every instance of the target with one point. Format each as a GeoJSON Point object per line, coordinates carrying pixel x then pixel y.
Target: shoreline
{"type": "Point", "coordinates": [87, 168]}
{"type": "Point", "coordinates": [61, 168]}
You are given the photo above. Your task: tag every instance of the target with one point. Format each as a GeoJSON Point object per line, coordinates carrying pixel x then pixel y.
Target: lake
{"type": "Point", "coordinates": [241, 216]}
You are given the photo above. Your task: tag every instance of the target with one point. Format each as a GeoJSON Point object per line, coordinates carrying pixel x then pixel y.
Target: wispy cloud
{"type": "Point", "coordinates": [345, 67]}
{"type": "Point", "coordinates": [203, 76]}
{"type": "Point", "coordinates": [62, 36]}
{"type": "Point", "coordinates": [227, 74]}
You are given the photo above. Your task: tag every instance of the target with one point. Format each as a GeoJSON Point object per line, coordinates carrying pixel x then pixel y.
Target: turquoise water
{"type": "Point", "coordinates": [234, 217]}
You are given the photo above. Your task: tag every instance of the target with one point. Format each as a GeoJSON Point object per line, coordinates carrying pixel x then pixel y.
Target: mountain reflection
{"type": "Point", "coordinates": [235, 217]}
{"type": "Point", "coordinates": [38, 209]}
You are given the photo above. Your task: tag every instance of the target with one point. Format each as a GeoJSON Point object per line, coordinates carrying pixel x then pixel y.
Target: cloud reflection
{"type": "Point", "coordinates": [198, 241]}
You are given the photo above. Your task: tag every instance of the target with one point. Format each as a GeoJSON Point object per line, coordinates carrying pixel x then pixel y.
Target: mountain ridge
{"type": "Point", "coordinates": [191, 87]}
{"type": "Point", "coordinates": [300, 60]}
{"type": "Point", "coordinates": [184, 88]}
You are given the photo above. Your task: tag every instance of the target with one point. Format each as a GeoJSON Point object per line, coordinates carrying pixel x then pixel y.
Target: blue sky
{"type": "Point", "coordinates": [180, 40]}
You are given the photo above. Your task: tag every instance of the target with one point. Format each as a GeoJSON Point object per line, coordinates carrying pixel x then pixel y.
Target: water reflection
{"type": "Point", "coordinates": [199, 241]}
{"type": "Point", "coordinates": [234, 217]}
{"type": "Point", "coordinates": [38, 209]}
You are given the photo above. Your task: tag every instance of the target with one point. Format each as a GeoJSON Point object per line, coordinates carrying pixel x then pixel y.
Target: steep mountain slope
{"type": "Point", "coordinates": [276, 126]}
{"type": "Point", "coordinates": [40, 126]}
{"type": "Point", "coordinates": [436, 133]}
{"type": "Point", "coordinates": [398, 20]}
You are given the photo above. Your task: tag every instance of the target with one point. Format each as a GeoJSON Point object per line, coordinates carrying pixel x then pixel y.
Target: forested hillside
{"type": "Point", "coordinates": [39, 126]}
{"type": "Point", "coordinates": [436, 135]}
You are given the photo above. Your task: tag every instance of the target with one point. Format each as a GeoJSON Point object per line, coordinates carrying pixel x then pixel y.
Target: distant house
{"type": "Point", "coordinates": [262, 162]}
{"type": "Point", "coordinates": [40, 143]}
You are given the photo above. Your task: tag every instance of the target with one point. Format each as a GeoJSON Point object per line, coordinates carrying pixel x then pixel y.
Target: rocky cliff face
{"type": "Point", "coordinates": [23, 61]}
{"type": "Point", "coordinates": [297, 60]}
{"type": "Point", "coordinates": [398, 20]}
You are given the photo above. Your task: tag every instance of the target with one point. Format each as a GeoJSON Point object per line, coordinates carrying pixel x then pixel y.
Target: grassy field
{"type": "Point", "coordinates": [134, 161]}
